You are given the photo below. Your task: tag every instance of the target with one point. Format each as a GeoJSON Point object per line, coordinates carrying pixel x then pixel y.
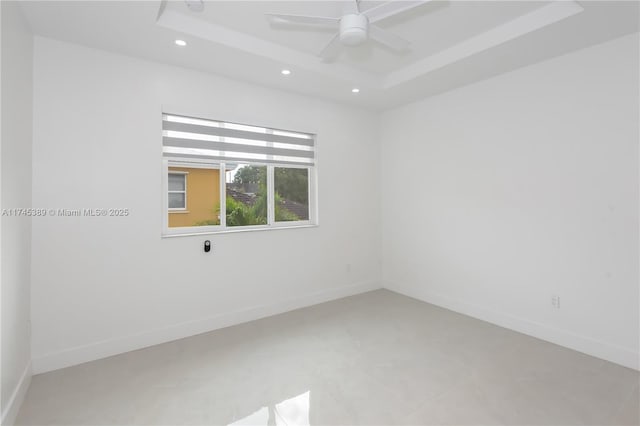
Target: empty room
{"type": "Point", "coordinates": [320, 212]}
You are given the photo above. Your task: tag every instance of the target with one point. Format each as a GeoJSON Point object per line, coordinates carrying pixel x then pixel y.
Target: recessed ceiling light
{"type": "Point", "coordinates": [285, 72]}
{"type": "Point", "coordinates": [355, 90]}
{"type": "Point", "coordinates": [181, 43]}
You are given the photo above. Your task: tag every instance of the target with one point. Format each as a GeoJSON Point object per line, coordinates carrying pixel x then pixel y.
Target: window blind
{"type": "Point", "coordinates": [200, 139]}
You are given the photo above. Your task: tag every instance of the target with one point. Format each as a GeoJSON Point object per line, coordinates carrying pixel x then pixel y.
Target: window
{"type": "Point", "coordinates": [222, 176]}
{"type": "Point", "coordinates": [246, 192]}
{"type": "Point", "coordinates": [291, 187]}
{"type": "Point", "coordinates": [193, 196]}
{"type": "Point", "coordinates": [177, 191]}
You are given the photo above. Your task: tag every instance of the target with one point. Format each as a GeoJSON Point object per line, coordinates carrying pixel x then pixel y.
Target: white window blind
{"type": "Point", "coordinates": [201, 139]}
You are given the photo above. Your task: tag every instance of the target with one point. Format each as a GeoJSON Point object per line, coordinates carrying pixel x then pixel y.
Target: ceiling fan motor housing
{"type": "Point", "coordinates": [354, 29]}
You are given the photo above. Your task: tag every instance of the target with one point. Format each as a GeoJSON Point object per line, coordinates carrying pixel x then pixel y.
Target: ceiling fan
{"type": "Point", "coordinates": [355, 27]}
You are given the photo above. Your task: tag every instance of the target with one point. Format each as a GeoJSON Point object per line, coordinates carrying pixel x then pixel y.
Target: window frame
{"type": "Point", "coordinates": [223, 228]}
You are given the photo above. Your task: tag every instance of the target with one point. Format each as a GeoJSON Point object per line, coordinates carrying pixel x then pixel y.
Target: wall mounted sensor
{"type": "Point", "coordinates": [207, 246]}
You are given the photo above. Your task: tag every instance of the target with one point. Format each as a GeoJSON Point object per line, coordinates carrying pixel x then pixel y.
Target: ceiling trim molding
{"type": "Point", "coordinates": [518, 27]}
{"type": "Point", "coordinates": [218, 34]}
{"type": "Point", "coordinates": [503, 33]}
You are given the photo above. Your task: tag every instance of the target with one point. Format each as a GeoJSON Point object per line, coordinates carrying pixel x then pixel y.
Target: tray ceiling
{"type": "Point", "coordinates": [453, 43]}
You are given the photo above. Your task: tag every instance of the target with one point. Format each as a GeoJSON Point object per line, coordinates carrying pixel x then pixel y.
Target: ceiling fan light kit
{"type": "Point", "coordinates": [354, 29]}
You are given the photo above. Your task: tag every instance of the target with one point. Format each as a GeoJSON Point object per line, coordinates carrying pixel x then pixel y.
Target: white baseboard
{"type": "Point", "coordinates": [103, 349]}
{"type": "Point", "coordinates": [616, 354]}
{"type": "Point", "coordinates": [10, 412]}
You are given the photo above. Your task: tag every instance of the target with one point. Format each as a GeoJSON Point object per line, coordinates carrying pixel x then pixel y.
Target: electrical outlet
{"type": "Point", "coordinates": [555, 301]}
{"type": "Point", "coordinates": [348, 268]}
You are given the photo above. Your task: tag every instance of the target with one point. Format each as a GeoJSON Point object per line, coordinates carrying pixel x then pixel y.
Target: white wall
{"type": "Point", "coordinates": [107, 285]}
{"type": "Point", "coordinates": [494, 197]}
{"type": "Point", "coordinates": [15, 154]}
{"type": "Point", "coordinates": [498, 195]}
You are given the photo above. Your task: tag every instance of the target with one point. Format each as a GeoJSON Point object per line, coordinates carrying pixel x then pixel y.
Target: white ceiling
{"type": "Point", "coordinates": [453, 43]}
{"type": "Point", "coordinates": [431, 27]}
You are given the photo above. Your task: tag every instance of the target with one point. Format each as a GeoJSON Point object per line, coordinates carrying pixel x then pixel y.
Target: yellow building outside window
{"type": "Point", "coordinates": [202, 196]}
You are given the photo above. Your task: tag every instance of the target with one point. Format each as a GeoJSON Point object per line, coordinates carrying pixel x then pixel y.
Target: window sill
{"type": "Point", "coordinates": [179, 211]}
{"type": "Point", "coordinates": [235, 231]}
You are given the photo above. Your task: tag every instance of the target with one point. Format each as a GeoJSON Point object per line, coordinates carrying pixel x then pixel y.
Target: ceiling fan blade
{"type": "Point", "coordinates": [331, 50]}
{"type": "Point", "coordinates": [301, 19]}
{"type": "Point", "coordinates": [386, 10]}
{"type": "Point", "coordinates": [388, 38]}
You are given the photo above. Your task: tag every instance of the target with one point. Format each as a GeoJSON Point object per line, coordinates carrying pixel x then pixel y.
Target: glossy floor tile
{"type": "Point", "coordinates": [373, 359]}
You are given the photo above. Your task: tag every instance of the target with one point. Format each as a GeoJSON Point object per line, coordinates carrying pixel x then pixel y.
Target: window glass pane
{"type": "Point", "coordinates": [176, 200]}
{"type": "Point", "coordinates": [246, 195]}
{"type": "Point", "coordinates": [292, 194]}
{"type": "Point", "coordinates": [202, 196]}
{"type": "Point", "coordinates": [176, 182]}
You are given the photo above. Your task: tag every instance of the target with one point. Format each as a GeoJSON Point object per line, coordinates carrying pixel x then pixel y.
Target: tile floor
{"type": "Point", "coordinates": [374, 359]}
